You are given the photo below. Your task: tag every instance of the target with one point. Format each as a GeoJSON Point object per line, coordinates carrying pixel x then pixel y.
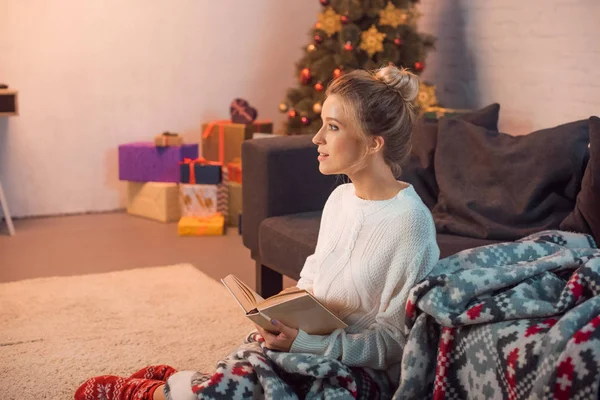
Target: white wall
{"type": "Point", "coordinates": [94, 74]}
{"type": "Point", "coordinates": [538, 58]}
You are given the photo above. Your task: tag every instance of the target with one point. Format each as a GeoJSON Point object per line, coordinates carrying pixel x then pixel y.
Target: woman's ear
{"type": "Point", "coordinates": [376, 144]}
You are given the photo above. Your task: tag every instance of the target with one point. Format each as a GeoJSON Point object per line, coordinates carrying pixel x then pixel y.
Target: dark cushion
{"type": "Point", "coordinates": [419, 170]}
{"type": "Point", "coordinates": [586, 215]}
{"type": "Point", "coordinates": [502, 187]}
{"type": "Point", "coordinates": [286, 241]}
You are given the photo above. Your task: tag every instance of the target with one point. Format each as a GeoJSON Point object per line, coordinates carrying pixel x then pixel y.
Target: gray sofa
{"type": "Point", "coordinates": [284, 194]}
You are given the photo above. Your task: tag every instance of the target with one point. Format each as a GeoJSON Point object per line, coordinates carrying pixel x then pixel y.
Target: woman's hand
{"type": "Point", "coordinates": [281, 341]}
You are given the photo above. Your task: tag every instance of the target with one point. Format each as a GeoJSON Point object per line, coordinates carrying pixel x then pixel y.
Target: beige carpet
{"type": "Point", "coordinates": [57, 332]}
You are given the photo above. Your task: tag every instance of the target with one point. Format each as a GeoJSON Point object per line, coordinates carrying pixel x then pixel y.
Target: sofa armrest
{"type": "Point", "coordinates": [281, 176]}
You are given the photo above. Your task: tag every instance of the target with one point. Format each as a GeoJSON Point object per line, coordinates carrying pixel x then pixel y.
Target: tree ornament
{"type": "Point", "coordinates": [337, 73]}
{"type": "Point", "coordinates": [372, 41]}
{"type": "Point", "coordinates": [392, 16]}
{"type": "Point", "coordinates": [419, 66]}
{"type": "Point", "coordinates": [398, 41]}
{"type": "Point", "coordinates": [348, 46]}
{"type": "Point", "coordinates": [317, 107]}
{"type": "Point", "coordinates": [318, 39]}
{"type": "Point", "coordinates": [283, 107]}
{"type": "Point", "coordinates": [318, 25]}
{"type": "Point", "coordinates": [305, 121]}
{"type": "Point", "coordinates": [324, 3]}
{"type": "Point", "coordinates": [426, 97]}
{"type": "Point", "coordinates": [305, 76]}
{"type": "Point", "coordinates": [345, 19]}
{"type": "Point", "coordinates": [330, 21]}
{"type": "Point", "coordinates": [311, 47]}
{"type": "Point", "coordinates": [292, 113]}
{"type": "Point", "coordinates": [319, 87]}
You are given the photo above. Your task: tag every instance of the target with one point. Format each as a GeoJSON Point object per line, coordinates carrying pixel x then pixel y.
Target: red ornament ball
{"type": "Point", "coordinates": [305, 75]}
{"type": "Point", "coordinates": [292, 113]}
{"type": "Point", "coordinates": [319, 87]}
{"type": "Point", "coordinates": [345, 19]}
{"type": "Point", "coordinates": [305, 121]}
{"type": "Point", "coordinates": [318, 39]}
{"type": "Point", "coordinates": [324, 3]}
{"type": "Point", "coordinates": [419, 66]}
{"type": "Point", "coordinates": [348, 46]}
{"type": "Point", "coordinates": [398, 41]}
{"type": "Point", "coordinates": [337, 73]}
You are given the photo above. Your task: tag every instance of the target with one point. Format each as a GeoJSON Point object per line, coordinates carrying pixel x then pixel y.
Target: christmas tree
{"type": "Point", "coordinates": [349, 35]}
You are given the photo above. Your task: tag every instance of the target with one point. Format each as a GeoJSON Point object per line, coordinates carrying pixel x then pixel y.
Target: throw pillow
{"type": "Point", "coordinates": [419, 170]}
{"type": "Point", "coordinates": [502, 187]}
{"type": "Point", "coordinates": [586, 216]}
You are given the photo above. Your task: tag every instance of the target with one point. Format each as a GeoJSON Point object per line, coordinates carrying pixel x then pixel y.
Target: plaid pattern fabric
{"type": "Point", "coordinates": [511, 320]}
{"type": "Point", "coordinates": [255, 372]}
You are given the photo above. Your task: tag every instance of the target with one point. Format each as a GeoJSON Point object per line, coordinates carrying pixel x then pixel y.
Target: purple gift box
{"type": "Point", "coordinates": [144, 162]}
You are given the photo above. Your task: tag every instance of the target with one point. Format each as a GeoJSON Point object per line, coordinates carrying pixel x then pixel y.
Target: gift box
{"type": "Point", "coordinates": [235, 170]}
{"type": "Point", "coordinates": [222, 140]}
{"type": "Point", "coordinates": [200, 171]}
{"type": "Point", "coordinates": [235, 202]}
{"type": "Point", "coordinates": [155, 200]}
{"type": "Point", "coordinates": [198, 200]}
{"type": "Point", "coordinates": [213, 225]}
{"type": "Point", "coordinates": [144, 162]}
{"type": "Point", "coordinates": [167, 139]}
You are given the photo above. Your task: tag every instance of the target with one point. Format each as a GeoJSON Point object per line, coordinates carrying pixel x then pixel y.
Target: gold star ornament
{"type": "Point", "coordinates": [372, 41]}
{"type": "Point", "coordinates": [392, 16]}
{"type": "Point", "coordinates": [330, 21]}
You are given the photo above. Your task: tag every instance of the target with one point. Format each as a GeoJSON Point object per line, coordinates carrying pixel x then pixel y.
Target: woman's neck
{"type": "Point", "coordinates": [376, 184]}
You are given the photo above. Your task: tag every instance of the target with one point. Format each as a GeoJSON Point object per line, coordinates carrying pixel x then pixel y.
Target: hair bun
{"type": "Point", "coordinates": [401, 80]}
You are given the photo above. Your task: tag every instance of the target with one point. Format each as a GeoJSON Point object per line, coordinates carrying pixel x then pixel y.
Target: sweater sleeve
{"type": "Point", "coordinates": [381, 344]}
{"type": "Point", "coordinates": [307, 274]}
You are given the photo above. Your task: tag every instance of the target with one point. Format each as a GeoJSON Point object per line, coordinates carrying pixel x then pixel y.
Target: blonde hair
{"type": "Point", "coordinates": [382, 102]}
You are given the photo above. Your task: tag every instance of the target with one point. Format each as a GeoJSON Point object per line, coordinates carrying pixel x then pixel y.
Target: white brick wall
{"type": "Point", "coordinates": [540, 59]}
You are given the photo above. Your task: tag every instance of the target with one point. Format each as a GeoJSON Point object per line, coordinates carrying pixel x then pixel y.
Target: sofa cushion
{"type": "Point", "coordinates": [286, 241]}
{"type": "Point", "coordinates": [586, 215]}
{"type": "Point", "coordinates": [452, 244]}
{"type": "Point", "coordinates": [502, 187]}
{"type": "Point", "coordinates": [419, 170]}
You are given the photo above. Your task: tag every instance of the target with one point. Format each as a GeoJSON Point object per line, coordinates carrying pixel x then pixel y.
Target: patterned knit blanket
{"type": "Point", "coordinates": [514, 320]}
{"type": "Point", "coordinates": [254, 372]}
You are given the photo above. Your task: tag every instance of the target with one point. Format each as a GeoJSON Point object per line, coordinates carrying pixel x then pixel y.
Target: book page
{"type": "Point", "coordinates": [246, 297]}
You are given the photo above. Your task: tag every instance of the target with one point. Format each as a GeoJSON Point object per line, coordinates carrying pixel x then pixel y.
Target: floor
{"type": "Point", "coordinates": [95, 243]}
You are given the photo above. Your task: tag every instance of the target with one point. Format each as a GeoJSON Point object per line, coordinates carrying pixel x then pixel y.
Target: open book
{"type": "Point", "coordinates": [295, 308]}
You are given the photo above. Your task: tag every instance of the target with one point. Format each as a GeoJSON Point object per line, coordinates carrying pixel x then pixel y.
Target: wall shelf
{"type": "Point", "coordinates": [9, 102]}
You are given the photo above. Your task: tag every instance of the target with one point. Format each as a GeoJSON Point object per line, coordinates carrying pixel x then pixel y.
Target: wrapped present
{"type": "Point", "coordinates": [234, 169]}
{"type": "Point", "coordinates": [235, 202]}
{"type": "Point", "coordinates": [144, 162]}
{"type": "Point", "coordinates": [198, 200]}
{"type": "Point", "coordinates": [222, 140]}
{"type": "Point", "coordinates": [213, 225]}
{"type": "Point", "coordinates": [167, 139]}
{"type": "Point", "coordinates": [241, 112]}
{"type": "Point", "coordinates": [200, 171]}
{"type": "Point", "coordinates": [155, 200]}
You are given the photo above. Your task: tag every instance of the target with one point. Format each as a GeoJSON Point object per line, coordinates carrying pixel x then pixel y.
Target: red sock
{"type": "Point", "coordinates": [109, 387]}
{"type": "Point", "coordinates": [157, 372]}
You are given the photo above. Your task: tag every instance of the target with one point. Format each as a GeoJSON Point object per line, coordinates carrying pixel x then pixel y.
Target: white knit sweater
{"type": "Point", "coordinates": [368, 256]}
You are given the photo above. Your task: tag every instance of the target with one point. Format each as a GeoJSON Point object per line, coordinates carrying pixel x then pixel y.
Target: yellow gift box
{"type": "Point", "coordinates": [235, 203]}
{"type": "Point", "coordinates": [222, 140]}
{"type": "Point", "coordinates": [202, 226]}
{"type": "Point", "coordinates": [154, 200]}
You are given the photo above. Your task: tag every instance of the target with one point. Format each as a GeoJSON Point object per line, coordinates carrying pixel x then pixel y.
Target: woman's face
{"type": "Point", "coordinates": [341, 144]}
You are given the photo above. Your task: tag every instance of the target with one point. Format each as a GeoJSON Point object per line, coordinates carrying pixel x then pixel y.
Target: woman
{"type": "Point", "coordinates": [376, 240]}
